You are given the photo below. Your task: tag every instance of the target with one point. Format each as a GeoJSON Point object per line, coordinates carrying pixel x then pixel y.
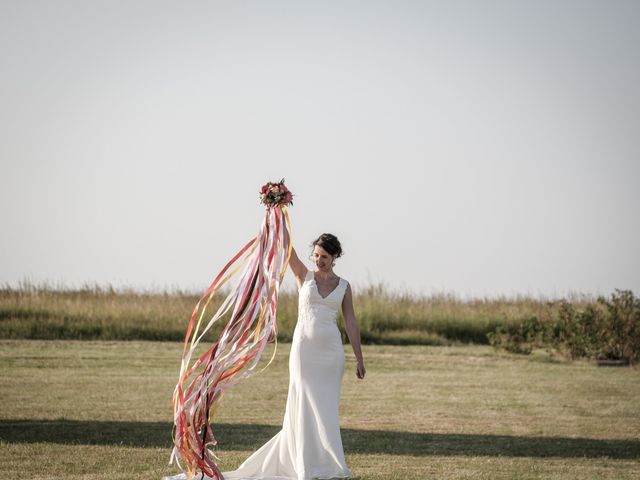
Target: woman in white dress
{"type": "Point", "coordinates": [309, 445]}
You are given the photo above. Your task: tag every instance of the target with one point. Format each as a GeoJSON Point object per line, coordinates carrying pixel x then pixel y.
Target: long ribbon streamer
{"type": "Point", "coordinates": [239, 347]}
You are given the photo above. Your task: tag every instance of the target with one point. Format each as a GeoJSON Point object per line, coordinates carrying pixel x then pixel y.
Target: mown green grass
{"type": "Point", "coordinates": [102, 410]}
{"type": "Point", "coordinates": [385, 317]}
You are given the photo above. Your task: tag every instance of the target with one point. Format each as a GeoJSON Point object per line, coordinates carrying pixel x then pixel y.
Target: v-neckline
{"type": "Point", "coordinates": [313, 277]}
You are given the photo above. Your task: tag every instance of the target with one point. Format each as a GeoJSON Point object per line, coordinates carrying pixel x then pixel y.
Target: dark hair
{"type": "Point", "coordinates": [330, 243]}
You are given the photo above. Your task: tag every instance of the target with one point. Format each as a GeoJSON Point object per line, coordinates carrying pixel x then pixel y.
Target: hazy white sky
{"type": "Point", "coordinates": [473, 147]}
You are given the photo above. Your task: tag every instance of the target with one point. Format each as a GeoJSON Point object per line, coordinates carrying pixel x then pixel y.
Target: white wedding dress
{"type": "Point", "coordinates": [309, 445]}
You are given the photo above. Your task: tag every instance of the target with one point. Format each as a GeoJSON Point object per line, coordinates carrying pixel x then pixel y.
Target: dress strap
{"type": "Point", "coordinates": [343, 284]}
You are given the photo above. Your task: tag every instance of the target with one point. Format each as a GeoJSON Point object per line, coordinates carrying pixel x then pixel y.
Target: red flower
{"type": "Point", "coordinates": [276, 193]}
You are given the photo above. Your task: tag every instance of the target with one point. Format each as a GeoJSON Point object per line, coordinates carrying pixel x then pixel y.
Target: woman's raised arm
{"type": "Point", "coordinates": [297, 268]}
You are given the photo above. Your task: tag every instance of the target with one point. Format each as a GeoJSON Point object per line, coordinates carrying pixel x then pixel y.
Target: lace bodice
{"type": "Point", "coordinates": [312, 305]}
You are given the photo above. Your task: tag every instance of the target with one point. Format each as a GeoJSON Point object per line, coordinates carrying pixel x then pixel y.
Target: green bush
{"type": "Point", "coordinates": [606, 330]}
{"type": "Point", "coordinates": [619, 337]}
{"type": "Point", "coordinates": [520, 337]}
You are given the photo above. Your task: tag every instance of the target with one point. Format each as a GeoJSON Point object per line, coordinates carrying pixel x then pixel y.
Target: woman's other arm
{"type": "Point", "coordinates": [353, 332]}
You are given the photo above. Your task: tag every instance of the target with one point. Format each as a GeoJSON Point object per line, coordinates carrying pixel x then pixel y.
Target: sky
{"type": "Point", "coordinates": [477, 149]}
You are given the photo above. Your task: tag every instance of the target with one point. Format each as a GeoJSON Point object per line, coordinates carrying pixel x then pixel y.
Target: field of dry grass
{"type": "Point", "coordinates": [102, 410]}
{"type": "Point", "coordinates": [385, 317]}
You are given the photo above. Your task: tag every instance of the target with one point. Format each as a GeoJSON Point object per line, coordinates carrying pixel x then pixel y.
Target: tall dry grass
{"type": "Point", "coordinates": [44, 311]}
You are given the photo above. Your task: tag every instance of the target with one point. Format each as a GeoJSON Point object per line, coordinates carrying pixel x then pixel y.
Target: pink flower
{"type": "Point", "coordinates": [273, 194]}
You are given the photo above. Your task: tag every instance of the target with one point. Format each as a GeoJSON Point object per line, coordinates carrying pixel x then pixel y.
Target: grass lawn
{"type": "Point", "coordinates": [102, 410]}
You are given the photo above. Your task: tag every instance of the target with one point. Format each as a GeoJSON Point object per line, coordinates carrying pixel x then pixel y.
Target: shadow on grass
{"type": "Point", "coordinates": [250, 437]}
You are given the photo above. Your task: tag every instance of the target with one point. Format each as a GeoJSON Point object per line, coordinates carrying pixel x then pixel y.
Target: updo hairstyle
{"type": "Point", "coordinates": [329, 243]}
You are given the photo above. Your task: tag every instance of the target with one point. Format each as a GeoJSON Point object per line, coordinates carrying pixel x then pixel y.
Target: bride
{"type": "Point", "coordinates": [309, 445]}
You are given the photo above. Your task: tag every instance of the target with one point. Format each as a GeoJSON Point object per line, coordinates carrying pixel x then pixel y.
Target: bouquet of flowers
{"type": "Point", "coordinates": [272, 194]}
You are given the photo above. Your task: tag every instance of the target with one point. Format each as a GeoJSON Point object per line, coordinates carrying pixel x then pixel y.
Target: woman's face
{"type": "Point", "coordinates": [321, 258]}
